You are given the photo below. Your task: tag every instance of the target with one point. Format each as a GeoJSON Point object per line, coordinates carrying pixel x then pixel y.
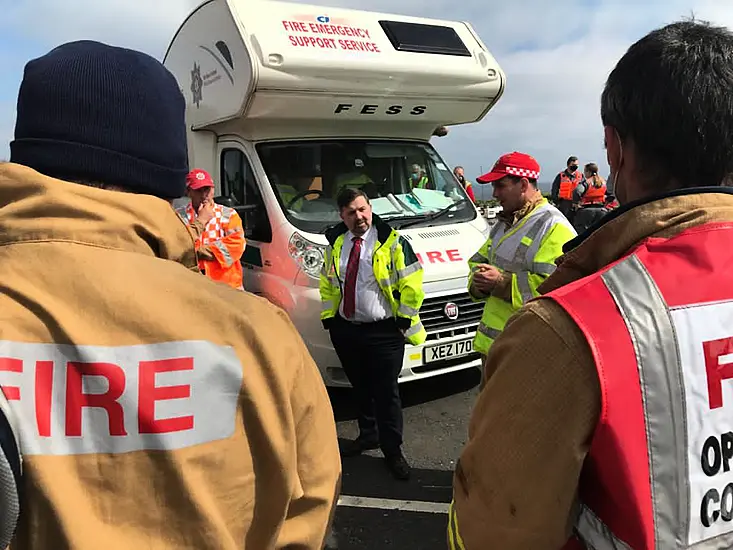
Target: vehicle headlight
{"type": "Point", "coordinates": [308, 255]}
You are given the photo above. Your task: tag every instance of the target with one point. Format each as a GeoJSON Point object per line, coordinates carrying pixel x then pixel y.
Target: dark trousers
{"type": "Point", "coordinates": [566, 207]}
{"type": "Point", "coordinates": [371, 355]}
{"type": "Point", "coordinates": [588, 216]}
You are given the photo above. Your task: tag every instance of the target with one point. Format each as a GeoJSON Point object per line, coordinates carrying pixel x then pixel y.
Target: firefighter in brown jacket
{"type": "Point", "coordinates": [534, 433]}
{"type": "Point", "coordinates": [156, 408]}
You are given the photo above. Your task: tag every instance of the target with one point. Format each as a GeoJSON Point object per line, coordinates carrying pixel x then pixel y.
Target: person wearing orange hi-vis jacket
{"type": "Point", "coordinates": [220, 239]}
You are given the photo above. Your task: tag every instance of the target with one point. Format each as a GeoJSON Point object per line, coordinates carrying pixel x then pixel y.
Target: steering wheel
{"type": "Point", "coordinates": [303, 194]}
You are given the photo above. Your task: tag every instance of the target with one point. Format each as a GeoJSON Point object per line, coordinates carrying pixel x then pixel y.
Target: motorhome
{"type": "Point", "coordinates": [287, 103]}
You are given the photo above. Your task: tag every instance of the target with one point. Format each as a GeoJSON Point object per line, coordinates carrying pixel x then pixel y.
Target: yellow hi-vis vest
{"type": "Point", "coordinates": [422, 183]}
{"type": "Point", "coordinates": [528, 251]}
{"type": "Point", "coordinates": [396, 268]}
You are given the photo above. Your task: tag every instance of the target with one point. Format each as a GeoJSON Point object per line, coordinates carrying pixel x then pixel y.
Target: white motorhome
{"type": "Point", "coordinates": [287, 103]}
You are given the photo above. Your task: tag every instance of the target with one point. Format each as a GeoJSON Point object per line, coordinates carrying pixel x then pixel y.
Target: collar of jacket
{"type": "Point", "coordinates": [37, 208]}
{"type": "Point", "coordinates": [384, 230]}
{"type": "Point", "coordinates": [617, 233]}
{"type": "Point", "coordinates": [513, 217]}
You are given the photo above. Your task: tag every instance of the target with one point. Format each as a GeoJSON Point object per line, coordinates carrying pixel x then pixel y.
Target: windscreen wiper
{"type": "Point", "coordinates": [436, 215]}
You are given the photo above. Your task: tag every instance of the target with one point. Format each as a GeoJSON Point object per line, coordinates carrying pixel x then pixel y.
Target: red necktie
{"type": "Point", "coordinates": [352, 270]}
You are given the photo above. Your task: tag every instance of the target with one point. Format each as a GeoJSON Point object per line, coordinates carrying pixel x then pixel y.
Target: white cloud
{"type": "Point", "coordinates": [140, 24]}
{"type": "Point", "coordinates": [556, 56]}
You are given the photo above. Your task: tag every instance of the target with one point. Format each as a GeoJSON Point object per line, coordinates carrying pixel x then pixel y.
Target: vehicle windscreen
{"type": "Point", "coordinates": [407, 183]}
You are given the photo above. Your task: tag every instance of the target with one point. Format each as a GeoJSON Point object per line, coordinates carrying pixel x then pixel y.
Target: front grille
{"type": "Point", "coordinates": [439, 233]}
{"type": "Point", "coordinates": [438, 325]}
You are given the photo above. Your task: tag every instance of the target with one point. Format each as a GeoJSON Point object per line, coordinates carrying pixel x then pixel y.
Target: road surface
{"type": "Point", "coordinates": [377, 512]}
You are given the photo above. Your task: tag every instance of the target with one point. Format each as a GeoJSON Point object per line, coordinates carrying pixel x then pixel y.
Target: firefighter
{"type": "Point", "coordinates": [220, 238]}
{"type": "Point", "coordinates": [154, 407]}
{"type": "Point", "coordinates": [521, 249]}
{"type": "Point", "coordinates": [608, 420]}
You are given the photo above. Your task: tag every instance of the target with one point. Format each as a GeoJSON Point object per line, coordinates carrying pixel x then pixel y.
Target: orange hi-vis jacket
{"type": "Point", "coordinates": [568, 184]}
{"type": "Point", "coordinates": [224, 237]}
{"type": "Point", "coordinates": [594, 195]}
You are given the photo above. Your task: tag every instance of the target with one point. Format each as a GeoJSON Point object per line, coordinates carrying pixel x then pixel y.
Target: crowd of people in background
{"type": "Point", "coordinates": [583, 197]}
{"type": "Point", "coordinates": [601, 422]}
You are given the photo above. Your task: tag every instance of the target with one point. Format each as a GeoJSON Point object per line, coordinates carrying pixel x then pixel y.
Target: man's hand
{"type": "Point", "coordinates": [485, 277]}
{"type": "Point", "coordinates": [205, 211]}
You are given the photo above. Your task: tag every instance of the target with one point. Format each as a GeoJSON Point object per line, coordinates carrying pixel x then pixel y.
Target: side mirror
{"type": "Point", "coordinates": [225, 201]}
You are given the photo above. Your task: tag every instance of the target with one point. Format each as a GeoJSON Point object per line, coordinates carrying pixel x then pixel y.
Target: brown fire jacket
{"type": "Point", "coordinates": [158, 409]}
{"type": "Point", "coordinates": [516, 481]}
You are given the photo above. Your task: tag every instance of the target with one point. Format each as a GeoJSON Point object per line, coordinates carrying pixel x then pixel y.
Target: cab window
{"type": "Point", "coordinates": [241, 192]}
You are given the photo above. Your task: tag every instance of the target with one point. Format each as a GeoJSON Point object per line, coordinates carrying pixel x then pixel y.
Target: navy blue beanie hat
{"type": "Point", "coordinates": [100, 114]}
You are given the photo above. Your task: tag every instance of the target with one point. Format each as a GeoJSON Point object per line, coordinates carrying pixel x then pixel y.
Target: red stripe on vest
{"type": "Point", "coordinates": [695, 280]}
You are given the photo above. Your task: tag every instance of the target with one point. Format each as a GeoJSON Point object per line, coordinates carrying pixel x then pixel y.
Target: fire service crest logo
{"type": "Point", "coordinates": [197, 85]}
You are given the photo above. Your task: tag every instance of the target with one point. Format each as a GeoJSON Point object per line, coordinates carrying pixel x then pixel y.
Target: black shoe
{"type": "Point", "coordinates": [398, 466]}
{"type": "Point", "coordinates": [357, 446]}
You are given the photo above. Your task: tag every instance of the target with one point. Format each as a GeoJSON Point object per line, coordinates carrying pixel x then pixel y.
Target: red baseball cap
{"type": "Point", "coordinates": [512, 164]}
{"type": "Point", "coordinates": [198, 179]}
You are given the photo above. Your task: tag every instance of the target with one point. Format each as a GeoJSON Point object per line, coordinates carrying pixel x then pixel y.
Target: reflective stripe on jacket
{"type": "Point", "coordinates": [568, 184]}
{"type": "Point", "coordinates": [396, 268]}
{"type": "Point", "coordinates": [224, 237]}
{"type": "Point", "coordinates": [528, 251]}
{"type": "Point", "coordinates": [657, 475]}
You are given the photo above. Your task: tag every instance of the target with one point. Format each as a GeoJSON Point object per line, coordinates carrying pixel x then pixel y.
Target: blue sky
{"type": "Point", "coordinates": [556, 56]}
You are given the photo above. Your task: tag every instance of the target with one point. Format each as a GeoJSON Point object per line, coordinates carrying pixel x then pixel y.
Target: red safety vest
{"type": "Point", "coordinates": [659, 322]}
{"type": "Point", "coordinates": [612, 205]}
{"type": "Point", "coordinates": [594, 195]}
{"type": "Point", "coordinates": [568, 184]}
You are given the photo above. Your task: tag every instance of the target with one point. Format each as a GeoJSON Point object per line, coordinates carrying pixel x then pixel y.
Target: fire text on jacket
{"type": "Point", "coordinates": [717, 505]}
{"type": "Point", "coordinates": [714, 440]}
{"type": "Point", "coordinates": [88, 399]}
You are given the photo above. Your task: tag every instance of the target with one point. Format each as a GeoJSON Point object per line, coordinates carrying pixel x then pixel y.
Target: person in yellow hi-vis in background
{"type": "Point", "coordinates": [521, 249]}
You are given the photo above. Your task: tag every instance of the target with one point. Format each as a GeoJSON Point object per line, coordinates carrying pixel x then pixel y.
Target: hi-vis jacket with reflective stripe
{"type": "Point", "coordinates": [422, 183]}
{"type": "Point", "coordinates": [658, 474]}
{"type": "Point", "coordinates": [527, 251]}
{"type": "Point", "coordinates": [224, 237]}
{"type": "Point", "coordinates": [396, 268]}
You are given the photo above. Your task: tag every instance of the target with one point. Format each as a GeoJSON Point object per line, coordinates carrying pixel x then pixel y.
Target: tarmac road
{"type": "Point", "coordinates": [378, 512]}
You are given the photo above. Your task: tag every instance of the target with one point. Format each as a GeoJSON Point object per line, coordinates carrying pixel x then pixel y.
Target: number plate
{"type": "Point", "coordinates": [443, 352]}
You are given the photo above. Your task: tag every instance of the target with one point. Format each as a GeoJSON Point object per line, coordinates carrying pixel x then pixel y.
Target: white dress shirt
{"type": "Point", "coordinates": [371, 304]}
